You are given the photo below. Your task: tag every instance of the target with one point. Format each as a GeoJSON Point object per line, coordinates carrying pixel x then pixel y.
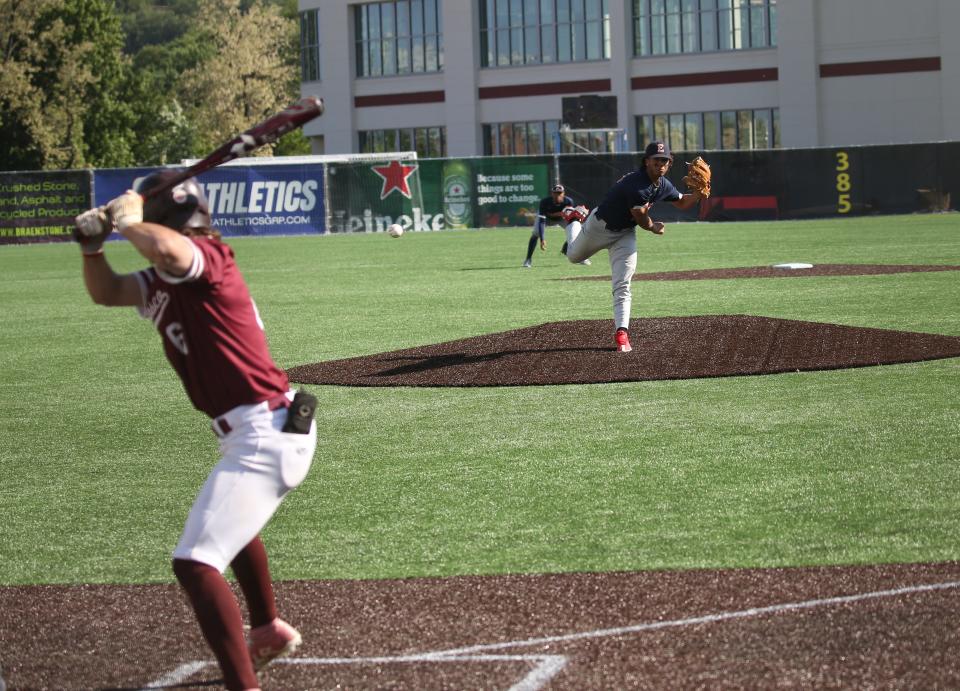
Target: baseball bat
{"type": "Point", "coordinates": [270, 130]}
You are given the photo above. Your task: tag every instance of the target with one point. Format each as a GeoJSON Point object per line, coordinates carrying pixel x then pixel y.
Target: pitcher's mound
{"type": "Point", "coordinates": [582, 352]}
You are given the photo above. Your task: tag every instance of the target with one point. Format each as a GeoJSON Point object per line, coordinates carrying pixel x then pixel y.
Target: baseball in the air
{"type": "Point", "coordinates": [395, 230]}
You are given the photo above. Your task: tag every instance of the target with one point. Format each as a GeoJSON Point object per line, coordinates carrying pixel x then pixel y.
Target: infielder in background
{"type": "Point", "coordinates": [212, 335]}
{"type": "Point", "coordinates": [549, 213]}
{"type": "Point", "coordinates": [611, 225]}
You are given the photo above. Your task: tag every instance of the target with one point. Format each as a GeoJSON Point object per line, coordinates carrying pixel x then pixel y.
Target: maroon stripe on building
{"type": "Point", "coordinates": [849, 69]}
{"type": "Point", "coordinates": [398, 99]}
{"type": "Point", "coordinates": [666, 81]}
{"type": "Point", "coordinates": [540, 89]}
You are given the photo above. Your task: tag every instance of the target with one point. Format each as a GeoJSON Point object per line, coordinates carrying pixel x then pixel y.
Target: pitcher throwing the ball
{"type": "Point", "coordinates": [212, 335]}
{"type": "Point", "coordinates": [612, 225]}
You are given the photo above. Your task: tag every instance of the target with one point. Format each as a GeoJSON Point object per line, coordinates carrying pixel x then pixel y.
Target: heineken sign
{"type": "Point", "coordinates": [366, 197]}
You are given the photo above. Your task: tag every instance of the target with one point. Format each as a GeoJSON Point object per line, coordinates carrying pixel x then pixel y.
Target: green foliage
{"type": "Point", "coordinates": [61, 68]}
{"type": "Point", "coordinates": [293, 143]}
{"type": "Point", "coordinates": [108, 133]}
{"type": "Point", "coordinates": [96, 83]}
{"type": "Point", "coordinates": [248, 78]}
{"type": "Point", "coordinates": [150, 23]}
{"type": "Point", "coordinates": [167, 134]}
{"type": "Point", "coordinates": [848, 466]}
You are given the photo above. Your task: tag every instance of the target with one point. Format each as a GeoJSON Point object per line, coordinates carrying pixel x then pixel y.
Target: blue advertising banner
{"type": "Point", "coordinates": [245, 199]}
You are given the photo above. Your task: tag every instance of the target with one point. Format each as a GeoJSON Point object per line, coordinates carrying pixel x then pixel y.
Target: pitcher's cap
{"type": "Point", "coordinates": [557, 188]}
{"type": "Point", "coordinates": [658, 150]}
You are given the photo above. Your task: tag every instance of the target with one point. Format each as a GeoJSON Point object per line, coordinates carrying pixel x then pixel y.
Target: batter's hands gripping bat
{"type": "Point", "coordinates": [266, 132]}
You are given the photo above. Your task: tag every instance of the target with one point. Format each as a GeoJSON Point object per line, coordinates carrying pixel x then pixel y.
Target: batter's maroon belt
{"type": "Point", "coordinates": [222, 427]}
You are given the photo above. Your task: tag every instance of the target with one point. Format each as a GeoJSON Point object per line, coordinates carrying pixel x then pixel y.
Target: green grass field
{"type": "Point", "coordinates": [101, 453]}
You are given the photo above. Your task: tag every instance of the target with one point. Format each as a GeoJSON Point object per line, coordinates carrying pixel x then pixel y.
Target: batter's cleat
{"type": "Point", "coordinates": [563, 250]}
{"type": "Point", "coordinates": [585, 262]}
{"type": "Point", "coordinates": [623, 341]}
{"type": "Point", "coordinates": [526, 264]}
{"type": "Point", "coordinates": [273, 640]}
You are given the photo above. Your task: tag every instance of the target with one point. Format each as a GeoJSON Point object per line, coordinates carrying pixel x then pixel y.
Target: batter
{"type": "Point", "coordinates": [212, 335]}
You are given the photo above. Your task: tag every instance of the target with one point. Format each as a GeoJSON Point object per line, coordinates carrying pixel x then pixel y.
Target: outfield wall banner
{"type": "Point", "coordinates": [772, 184]}
{"type": "Point", "coordinates": [368, 196]}
{"type": "Point", "coordinates": [247, 199]}
{"type": "Point", "coordinates": [507, 191]}
{"type": "Point", "coordinates": [40, 206]}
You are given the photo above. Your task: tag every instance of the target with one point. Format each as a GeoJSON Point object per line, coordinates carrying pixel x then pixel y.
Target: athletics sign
{"type": "Point", "coordinates": [285, 199]}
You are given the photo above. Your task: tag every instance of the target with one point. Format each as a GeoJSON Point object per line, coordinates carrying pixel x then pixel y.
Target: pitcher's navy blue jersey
{"type": "Point", "coordinates": [549, 207]}
{"type": "Point", "coordinates": [633, 189]}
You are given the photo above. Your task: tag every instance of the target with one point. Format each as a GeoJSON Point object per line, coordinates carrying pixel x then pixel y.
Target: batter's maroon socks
{"type": "Point", "coordinates": [220, 621]}
{"type": "Point", "coordinates": [252, 570]}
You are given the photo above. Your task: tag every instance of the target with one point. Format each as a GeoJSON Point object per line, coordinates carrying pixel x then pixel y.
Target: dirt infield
{"type": "Point", "coordinates": [891, 626]}
{"type": "Point", "coordinates": [581, 352]}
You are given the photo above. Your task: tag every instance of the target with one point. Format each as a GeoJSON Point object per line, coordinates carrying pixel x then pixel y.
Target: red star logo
{"type": "Point", "coordinates": [394, 176]}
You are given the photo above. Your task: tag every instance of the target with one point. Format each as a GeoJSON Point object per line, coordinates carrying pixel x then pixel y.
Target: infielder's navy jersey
{"type": "Point", "coordinates": [549, 206]}
{"type": "Point", "coordinates": [633, 189]}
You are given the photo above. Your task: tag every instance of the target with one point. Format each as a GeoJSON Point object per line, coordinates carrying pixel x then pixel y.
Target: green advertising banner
{"type": "Point", "coordinates": [40, 206]}
{"type": "Point", "coordinates": [367, 196]}
{"type": "Point", "coordinates": [508, 190]}
{"type": "Point", "coordinates": [435, 194]}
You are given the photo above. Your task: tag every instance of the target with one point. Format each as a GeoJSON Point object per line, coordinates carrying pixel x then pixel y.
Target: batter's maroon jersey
{"type": "Point", "coordinates": [211, 331]}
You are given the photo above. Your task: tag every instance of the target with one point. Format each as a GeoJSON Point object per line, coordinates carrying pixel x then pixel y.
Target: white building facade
{"type": "Point", "coordinates": [451, 78]}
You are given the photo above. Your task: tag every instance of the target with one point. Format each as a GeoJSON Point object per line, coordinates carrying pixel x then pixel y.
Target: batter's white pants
{"type": "Point", "coordinates": [259, 465]}
{"type": "Point", "coordinates": [586, 239]}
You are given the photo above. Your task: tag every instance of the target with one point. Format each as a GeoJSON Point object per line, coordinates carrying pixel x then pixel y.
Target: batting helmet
{"type": "Point", "coordinates": [180, 207]}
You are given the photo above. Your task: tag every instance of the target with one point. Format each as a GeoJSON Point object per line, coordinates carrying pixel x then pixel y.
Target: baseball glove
{"type": "Point", "coordinates": [575, 213]}
{"type": "Point", "coordinates": [698, 177]}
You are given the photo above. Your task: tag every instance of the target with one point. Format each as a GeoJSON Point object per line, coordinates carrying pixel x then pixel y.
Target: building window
{"type": "Point", "coordinates": [546, 137]}
{"type": "Point", "coordinates": [309, 46]}
{"type": "Point", "coordinates": [401, 37]}
{"type": "Point", "coordinates": [692, 26]}
{"type": "Point", "coordinates": [520, 138]}
{"type": "Point", "coordinates": [526, 32]}
{"type": "Point", "coordinates": [428, 142]}
{"type": "Point", "coordinates": [728, 129]}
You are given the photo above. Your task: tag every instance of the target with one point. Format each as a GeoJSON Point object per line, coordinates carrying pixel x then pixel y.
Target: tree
{"type": "Point", "coordinates": [29, 129]}
{"type": "Point", "coordinates": [166, 133]}
{"type": "Point", "coordinates": [152, 22]}
{"type": "Point", "coordinates": [60, 65]}
{"type": "Point", "coordinates": [108, 135]}
{"type": "Point", "coordinates": [250, 76]}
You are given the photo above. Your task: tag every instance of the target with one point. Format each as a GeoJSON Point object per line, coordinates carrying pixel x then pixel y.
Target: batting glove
{"type": "Point", "coordinates": [126, 210]}
{"type": "Point", "coordinates": [90, 229]}
{"type": "Point", "coordinates": [575, 213]}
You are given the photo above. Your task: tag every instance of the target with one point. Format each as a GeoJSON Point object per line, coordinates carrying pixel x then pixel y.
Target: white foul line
{"type": "Point", "coordinates": [546, 668]}
{"type": "Point", "coordinates": [177, 676]}
{"type": "Point", "coordinates": [706, 619]}
{"type": "Point", "coordinates": [550, 665]}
